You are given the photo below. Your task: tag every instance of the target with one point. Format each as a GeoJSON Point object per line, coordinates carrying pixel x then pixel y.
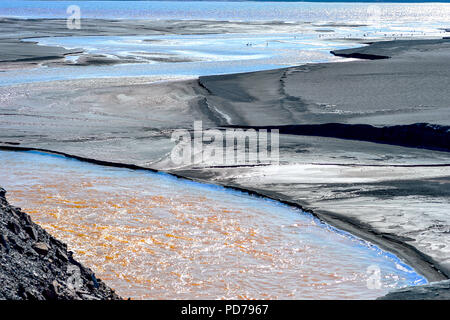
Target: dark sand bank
{"type": "Point", "coordinates": [417, 135]}
{"type": "Point", "coordinates": [15, 51]}
{"type": "Point", "coordinates": [408, 88]}
{"type": "Point", "coordinates": [395, 100]}
{"type": "Point", "coordinates": [433, 291]}
{"type": "Point", "coordinates": [394, 196]}
{"type": "Point", "coordinates": [36, 266]}
{"type": "Point", "coordinates": [390, 49]}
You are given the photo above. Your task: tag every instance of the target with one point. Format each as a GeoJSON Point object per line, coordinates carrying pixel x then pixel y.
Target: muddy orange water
{"type": "Point", "coordinates": [152, 236]}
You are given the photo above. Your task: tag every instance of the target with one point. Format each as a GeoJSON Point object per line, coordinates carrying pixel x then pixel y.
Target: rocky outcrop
{"type": "Point", "coordinates": [35, 265]}
{"type": "Point", "coordinates": [433, 291]}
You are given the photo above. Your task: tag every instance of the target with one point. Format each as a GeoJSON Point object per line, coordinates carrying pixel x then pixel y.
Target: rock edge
{"type": "Point", "coordinates": [36, 266]}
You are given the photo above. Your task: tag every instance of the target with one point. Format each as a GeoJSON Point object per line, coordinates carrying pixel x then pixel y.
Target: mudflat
{"type": "Point", "coordinates": [394, 195]}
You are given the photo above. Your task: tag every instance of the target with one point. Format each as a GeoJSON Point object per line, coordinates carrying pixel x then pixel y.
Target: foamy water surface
{"type": "Point", "coordinates": [151, 235]}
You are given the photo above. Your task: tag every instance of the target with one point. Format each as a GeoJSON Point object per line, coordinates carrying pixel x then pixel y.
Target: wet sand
{"type": "Point", "coordinates": [391, 195]}
{"type": "Point", "coordinates": [407, 88]}
{"type": "Point", "coordinates": [14, 49]}
{"type": "Point", "coordinates": [396, 194]}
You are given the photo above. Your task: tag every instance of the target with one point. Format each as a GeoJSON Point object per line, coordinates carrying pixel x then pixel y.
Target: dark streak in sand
{"type": "Point", "coordinates": [417, 135]}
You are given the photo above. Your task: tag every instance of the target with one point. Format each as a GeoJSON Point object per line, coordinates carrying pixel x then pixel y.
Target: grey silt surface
{"type": "Point", "coordinates": [395, 196]}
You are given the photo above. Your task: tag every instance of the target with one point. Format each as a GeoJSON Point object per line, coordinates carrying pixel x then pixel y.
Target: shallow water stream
{"type": "Point", "coordinates": [150, 235]}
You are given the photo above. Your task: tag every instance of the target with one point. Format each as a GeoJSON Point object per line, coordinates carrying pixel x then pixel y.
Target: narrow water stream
{"type": "Point", "coordinates": [150, 235]}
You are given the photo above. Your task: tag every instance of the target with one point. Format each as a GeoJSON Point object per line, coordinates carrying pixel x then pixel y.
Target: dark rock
{"type": "Point", "coordinates": [16, 245]}
{"type": "Point", "coordinates": [89, 297]}
{"type": "Point", "coordinates": [61, 255]}
{"type": "Point", "coordinates": [4, 242]}
{"type": "Point", "coordinates": [94, 281]}
{"type": "Point", "coordinates": [40, 270]}
{"type": "Point", "coordinates": [50, 294]}
{"type": "Point", "coordinates": [28, 294]}
{"type": "Point", "coordinates": [31, 232]}
{"type": "Point", "coordinates": [14, 227]}
{"type": "Point", "coordinates": [26, 218]}
{"type": "Point", "coordinates": [41, 248]}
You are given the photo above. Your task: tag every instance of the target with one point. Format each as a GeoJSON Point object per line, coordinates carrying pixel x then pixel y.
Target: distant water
{"type": "Point", "coordinates": [229, 54]}
{"type": "Point", "coordinates": [308, 42]}
{"type": "Point", "coordinates": [235, 11]}
{"type": "Point", "coordinates": [154, 236]}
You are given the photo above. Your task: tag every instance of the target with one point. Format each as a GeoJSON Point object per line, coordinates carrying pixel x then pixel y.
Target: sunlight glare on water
{"type": "Point", "coordinates": [153, 236]}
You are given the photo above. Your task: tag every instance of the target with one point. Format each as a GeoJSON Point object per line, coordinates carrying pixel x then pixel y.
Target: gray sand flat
{"type": "Point", "coordinates": [410, 87]}
{"type": "Point", "coordinates": [433, 291]}
{"type": "Point", "coordinates": [14, 50]}
{"type": "Point", "coordinates": [403, 204]}
{"type": "Point", "coordinates": [391, 195]}
{"type": "Point", "coordinates": [12, 31]}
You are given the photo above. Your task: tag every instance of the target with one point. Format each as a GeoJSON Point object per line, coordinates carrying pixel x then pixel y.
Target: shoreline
{"type": "Point", "coordinates": [377, 51]}
{"type": "Point", "coordinates": [422, 263]}
{"type": "Point", "coordinates": [37, 266]}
